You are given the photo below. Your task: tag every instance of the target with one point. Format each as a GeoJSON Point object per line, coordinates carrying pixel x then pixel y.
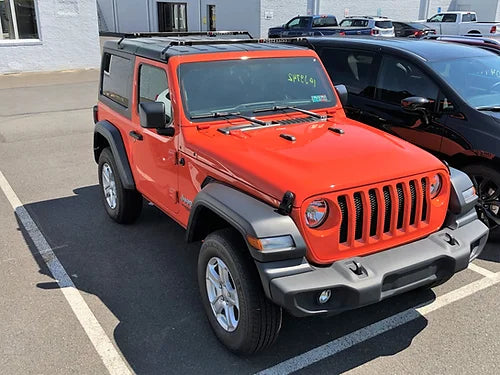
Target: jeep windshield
{"type": "Point", "coordinates": [245, 85]}
{"type": "Point", "coordinates": [476, 79]}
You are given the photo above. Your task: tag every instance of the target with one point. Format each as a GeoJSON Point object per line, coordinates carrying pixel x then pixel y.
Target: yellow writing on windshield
{"type": "Point", "coordinates": [303, 79]}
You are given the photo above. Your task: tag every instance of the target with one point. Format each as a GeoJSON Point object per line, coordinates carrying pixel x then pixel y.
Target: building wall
{"type": "Point", "coordinates": [142, 15]}
{"type": "Point", "coordinates": [69, 39]}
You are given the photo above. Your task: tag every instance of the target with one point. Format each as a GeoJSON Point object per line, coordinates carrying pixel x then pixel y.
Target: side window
{"type": "Point", "coordinates": [469, 17]}
{"type": "Point", "coordinates": [324, 22]}
{"type": "Point", "coordinates": [115, 79]}
{"type": "Point", "coordinates": [437, 18]}
{"type": "Point", "coordinates": [399, 79]}
{"type": "Point", "coordinates": [153, 86]}
{"type": "Point", "coordinates": [298, 23]}
{"type": "Point", "coordinates": [356, 70]}
{"type": "Point", "coordinates": [450, 18]}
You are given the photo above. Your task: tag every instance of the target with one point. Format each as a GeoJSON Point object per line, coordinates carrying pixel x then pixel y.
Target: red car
{"type": "Point", "coordinates": [246, 145]}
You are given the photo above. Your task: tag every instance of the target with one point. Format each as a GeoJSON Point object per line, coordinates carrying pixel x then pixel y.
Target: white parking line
{"type": "Point", "coordinates": [333, 347]}
{"type": "Point", "coordinates": [481, 270]}
{"type": "Point", "coordinates": [113, 361]}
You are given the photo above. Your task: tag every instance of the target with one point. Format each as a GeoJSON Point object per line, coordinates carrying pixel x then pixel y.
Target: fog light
{"type": "Point", "coordinates": [325, 295]}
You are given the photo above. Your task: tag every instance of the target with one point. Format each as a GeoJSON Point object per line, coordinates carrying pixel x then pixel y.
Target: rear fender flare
{"type": "Point", "coordinates": [114, 139]}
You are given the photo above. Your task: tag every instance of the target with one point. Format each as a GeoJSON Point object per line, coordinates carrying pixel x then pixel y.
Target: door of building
{"type": "Point", "coordinates": [172, 17]}
{"type": "Point", "coordinates": [211, 18]}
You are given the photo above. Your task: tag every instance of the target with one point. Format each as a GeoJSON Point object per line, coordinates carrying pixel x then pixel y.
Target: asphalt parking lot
{"type": "Point", "coordinates": [131, 301]}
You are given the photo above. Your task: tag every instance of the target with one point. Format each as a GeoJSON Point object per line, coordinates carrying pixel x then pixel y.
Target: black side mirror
{"type": "Point", "coordinates": [418, 105]}
{"type": "Point", "coordinates": [343, 94]}
{"type": "Point", "coordinates": [152, 115]}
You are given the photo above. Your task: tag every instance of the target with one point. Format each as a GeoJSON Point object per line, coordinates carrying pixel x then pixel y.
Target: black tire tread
{"type": "Point", "coordinates": [266, 323]}
{"type": "Point", "coordinates": [130, 201]}
{"type": "Point", "coordinates": [486, 170]}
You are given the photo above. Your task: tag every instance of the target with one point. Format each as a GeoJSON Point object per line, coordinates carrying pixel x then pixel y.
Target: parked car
{"type": "Point", "coordinates": [379, 26]}
{"type": "Point", "coordinates": [411, 29]}
{"type": "Point", "coordinates": [294, 205]}
{"type": "Point", "coordinates": [443, 97]}
{"type": "Point", "coordinates": [318, 25]}
{"type": "Point", "coordinates": [461, 23]}
{"type": "Point", "coordinates": [489, 44]}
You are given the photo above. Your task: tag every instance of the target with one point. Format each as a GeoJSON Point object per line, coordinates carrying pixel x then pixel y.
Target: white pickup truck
{"type": "Point", "coordinates": [461, 23]}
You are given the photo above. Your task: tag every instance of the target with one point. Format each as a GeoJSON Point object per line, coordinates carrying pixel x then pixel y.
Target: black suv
{"type": "Point", "coordinates": [444, 97]}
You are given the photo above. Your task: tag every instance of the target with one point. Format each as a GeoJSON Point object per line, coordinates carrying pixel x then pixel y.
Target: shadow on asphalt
{"type": "Point", "coordinates": [145, 274]}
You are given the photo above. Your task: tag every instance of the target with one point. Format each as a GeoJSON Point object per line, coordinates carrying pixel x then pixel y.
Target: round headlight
{"type": "Point", "coordinates": [316, 213]}
{"type": "Point", "coordinates": [435, 187]}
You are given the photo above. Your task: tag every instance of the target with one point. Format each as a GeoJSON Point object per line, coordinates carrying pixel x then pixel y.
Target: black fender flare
{"type": "Point", "coordinates": [115, 141]}
{"type": "Point", "coordinates": [249, 216]}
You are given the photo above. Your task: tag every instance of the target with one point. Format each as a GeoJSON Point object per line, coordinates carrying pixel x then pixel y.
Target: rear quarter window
{"type": "Point", "coordinates": [116, 79]}
{"type": "Point", "coordinates": [383, 24]}
{"type": "Point", "coordinates": [324, 22]}
{"type": "Point", "coordinates": [469, 18]}
{"type": "Point", "coordinates": [354, 23]}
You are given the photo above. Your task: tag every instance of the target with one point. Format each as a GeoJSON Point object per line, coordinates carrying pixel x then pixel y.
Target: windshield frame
{"type": "Point", "coordinates": [250, 107]}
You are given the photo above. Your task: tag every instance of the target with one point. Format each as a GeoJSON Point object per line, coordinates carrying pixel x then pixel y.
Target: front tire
{"type": "Point", "coordinates": [240, 314]}
{"type": "Point", "coordinates": [122, 205]}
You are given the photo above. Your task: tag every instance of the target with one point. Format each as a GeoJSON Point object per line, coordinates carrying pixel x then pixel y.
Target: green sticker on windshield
{"type": "Point", "coordinates": [319, 98]}
{"type": "Point", "coordinates": [302, 79]}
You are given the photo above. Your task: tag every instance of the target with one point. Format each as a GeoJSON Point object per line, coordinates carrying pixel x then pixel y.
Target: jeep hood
{"type": "Point", "coordinates": [317, 161]}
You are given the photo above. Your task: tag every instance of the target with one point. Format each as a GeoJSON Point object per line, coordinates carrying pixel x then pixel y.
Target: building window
{"type": "Point", "coordinates": [172, 17]}
{"type": "Point", "coordinates": [18, 19]}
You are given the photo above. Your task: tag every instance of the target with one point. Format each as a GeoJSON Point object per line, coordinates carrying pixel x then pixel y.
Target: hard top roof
{"type": "Point", "coordinates": [428, 50]}
{"type": "Point", "coordinates": [381, 18]}
{"type": "Point", "coordinates": [161, 46]}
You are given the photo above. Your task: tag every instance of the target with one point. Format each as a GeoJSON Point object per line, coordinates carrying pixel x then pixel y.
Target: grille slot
{"type": "Point", "coordinates": [343, 223]}
{"type": "Point", "coordinates": [388, 210]}
{"type": "Point", "coordinates": [413, 192]}
{"type": "Point", "coordinates": [374, 212]}
{"type": "Point", "coordinates": [401, 205]}
{"type": "Point", "coordinates": [405, 207]}
{"type": "Point", "coordinates": [359, 216]}
{"type": "Point", "coordinates": [424, 203]}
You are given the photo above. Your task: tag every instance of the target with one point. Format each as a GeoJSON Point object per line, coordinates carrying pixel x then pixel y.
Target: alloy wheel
{"type": "Point", "coordinates": [222, 294]}
{"type": "Point", "coordinates": [489, 199]}
{"type": "Point", "coordinates": [109, 185]}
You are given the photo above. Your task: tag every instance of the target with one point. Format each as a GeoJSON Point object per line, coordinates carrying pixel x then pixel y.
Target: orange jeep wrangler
{"type": "Point", "coordinates": [246, 145]}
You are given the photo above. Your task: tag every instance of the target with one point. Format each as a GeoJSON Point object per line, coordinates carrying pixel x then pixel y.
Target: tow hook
{"type": "Point", "coordinates": [448, 238]}
{"type": "Point", "coordinates": [357, 268]}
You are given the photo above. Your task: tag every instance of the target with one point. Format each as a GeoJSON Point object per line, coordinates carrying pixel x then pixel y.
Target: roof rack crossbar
{"type": "Point", "coordinates": [175, 33]}
{"type": "Point", "coordinates": [201, 42]}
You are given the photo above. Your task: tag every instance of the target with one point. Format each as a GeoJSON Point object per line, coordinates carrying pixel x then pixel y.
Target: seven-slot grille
{"type": "Point", "coordinates": [374, 212]}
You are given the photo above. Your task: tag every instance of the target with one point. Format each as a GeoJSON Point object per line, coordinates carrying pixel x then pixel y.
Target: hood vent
{"type": "Point", "coordinates": [296, 120]}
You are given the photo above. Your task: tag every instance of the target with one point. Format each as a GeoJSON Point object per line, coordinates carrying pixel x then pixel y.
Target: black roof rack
{"type": "Point", "coordinates": [175, 33]}
{"type": "Point", "coordinates": [200, 42]}
{"type": "Point", "coordinates": [162, 45]}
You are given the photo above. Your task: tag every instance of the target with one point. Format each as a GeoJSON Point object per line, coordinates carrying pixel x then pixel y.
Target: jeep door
{"type": "Point", "coordinates": [154, 155]}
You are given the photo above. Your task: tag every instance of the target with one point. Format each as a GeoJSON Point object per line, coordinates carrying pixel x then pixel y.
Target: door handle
{"type": "Point", "coordinates": [135, 135]}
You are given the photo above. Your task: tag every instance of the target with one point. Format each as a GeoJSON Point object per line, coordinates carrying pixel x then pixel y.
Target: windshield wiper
{"type": "Point", "coordinates": [283, 107]}
{"type": "Point", "coordinates": [230, 114]}
{"type": "Point", "coordinates": [495, 108]}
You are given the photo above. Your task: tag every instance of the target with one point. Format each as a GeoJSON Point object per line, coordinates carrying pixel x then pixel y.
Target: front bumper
{"type": "Point", "coordinates": [296, 285]}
